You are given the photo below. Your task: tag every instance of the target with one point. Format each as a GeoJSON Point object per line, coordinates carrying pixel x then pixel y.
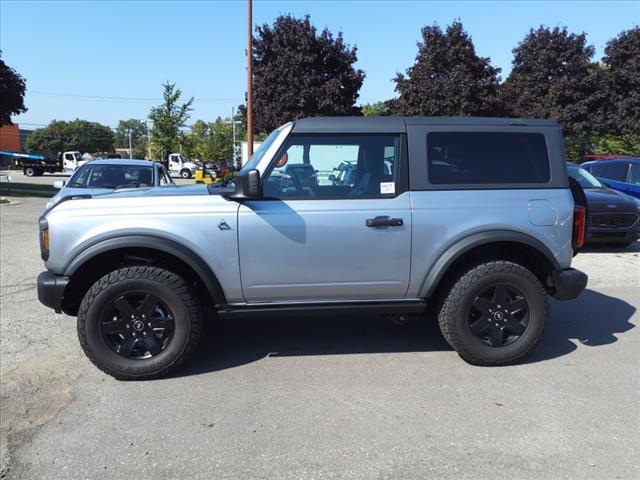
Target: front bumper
{"type": "Point", "coordinates": [611, 237]}
{"type": "Point", "coordinates": [569, 283]}
{"type": "Point", "coordinates": [51, 290]}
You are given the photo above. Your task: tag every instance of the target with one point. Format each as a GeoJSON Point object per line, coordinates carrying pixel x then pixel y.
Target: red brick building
{"type": "Point", "coordinates": [10, 138]}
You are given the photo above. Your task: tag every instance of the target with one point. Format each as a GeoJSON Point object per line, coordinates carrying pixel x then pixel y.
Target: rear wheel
{"type": "Point", "coordinates": [30, 171]}
{"type": "Point", "coordinates": [495, 313]}
{"type": "Point", "coordinates": [139, 323]}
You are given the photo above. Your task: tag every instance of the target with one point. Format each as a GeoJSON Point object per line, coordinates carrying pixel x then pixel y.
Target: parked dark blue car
{"type": "Point", "coordinates": [620, 173]}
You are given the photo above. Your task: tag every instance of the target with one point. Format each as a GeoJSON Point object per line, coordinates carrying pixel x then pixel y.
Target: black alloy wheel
{"type": "Point", "coordinates": [137, 325]}
{"type": "Point", "coordinates": [499, 315]}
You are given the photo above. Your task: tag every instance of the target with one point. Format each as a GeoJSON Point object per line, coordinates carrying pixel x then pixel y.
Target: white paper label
{"type": "Point", "coordinates": [387, 187]}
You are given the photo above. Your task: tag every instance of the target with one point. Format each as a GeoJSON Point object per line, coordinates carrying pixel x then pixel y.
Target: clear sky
{"type": "Point", "coordinates": [75, 54]}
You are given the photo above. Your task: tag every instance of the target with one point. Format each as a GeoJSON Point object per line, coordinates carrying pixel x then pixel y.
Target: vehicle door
{"type": "Point", "coordinates": [312, 238]}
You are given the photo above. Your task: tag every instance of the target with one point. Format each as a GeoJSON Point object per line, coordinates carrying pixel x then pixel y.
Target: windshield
{"type": "Point", "coordinates": [584, 178]}
{"type": "Point", "coordinates": [112, 176]}
{"type": "Point", "coordinates": [259, 153]}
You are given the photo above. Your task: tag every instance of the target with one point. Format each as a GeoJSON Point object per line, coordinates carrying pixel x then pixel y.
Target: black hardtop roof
{"type": "Point", "coordinates": [399, 124]}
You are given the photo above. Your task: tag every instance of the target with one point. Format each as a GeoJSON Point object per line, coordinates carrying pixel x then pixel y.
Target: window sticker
{"type": "Point", "coordinates": [387, 187]}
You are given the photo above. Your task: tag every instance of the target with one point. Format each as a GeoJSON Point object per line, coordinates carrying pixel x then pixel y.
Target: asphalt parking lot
{"type": "Point", "coordinates": [324, 398]}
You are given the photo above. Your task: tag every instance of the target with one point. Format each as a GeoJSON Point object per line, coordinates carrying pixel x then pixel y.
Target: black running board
{"type": "Point", "coordinates": [315, 309]}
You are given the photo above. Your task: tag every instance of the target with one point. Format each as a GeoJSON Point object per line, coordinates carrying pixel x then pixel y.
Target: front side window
{"type": "Point", "coordinates": [615, 171]}
{"type": "Point", "coordinates": [487, 158]}
{"type": "Point", "coordinates": [335, 166]}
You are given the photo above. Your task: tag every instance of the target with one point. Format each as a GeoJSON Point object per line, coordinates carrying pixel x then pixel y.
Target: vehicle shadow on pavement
{"type": "Point", "coordinates": [593, 319]}
{"type": "Point", "coordinates": [603, 248]}
{"type": "Point", "coordinates": [231, 343]}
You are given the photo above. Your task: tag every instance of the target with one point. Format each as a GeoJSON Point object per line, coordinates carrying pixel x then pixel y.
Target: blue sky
{"type": "Point", "coordinates": [71, 50]}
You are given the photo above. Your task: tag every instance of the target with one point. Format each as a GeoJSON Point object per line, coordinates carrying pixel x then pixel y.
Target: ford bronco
{"type": "Point", "coordinates": [472, 217]}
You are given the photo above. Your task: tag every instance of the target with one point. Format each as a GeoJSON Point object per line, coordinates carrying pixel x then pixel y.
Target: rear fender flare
{"type": "Point", "coordinates": [462, 246]}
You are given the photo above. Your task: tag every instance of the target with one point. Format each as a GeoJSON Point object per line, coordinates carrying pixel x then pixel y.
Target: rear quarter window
{"type": "Point", "coordinates": [462, 158]}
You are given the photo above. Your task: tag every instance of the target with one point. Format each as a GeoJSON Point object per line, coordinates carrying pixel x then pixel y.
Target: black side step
{"type": "Point", "coordinates": [316, 309]}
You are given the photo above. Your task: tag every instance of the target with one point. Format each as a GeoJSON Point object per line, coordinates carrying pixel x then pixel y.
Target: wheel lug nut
{"type": "Point", "coordinates": [149, 324]}
{"type": "Point", "coordinates": [128, 325]}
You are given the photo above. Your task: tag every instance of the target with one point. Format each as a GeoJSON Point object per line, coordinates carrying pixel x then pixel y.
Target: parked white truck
{"type": "Point", "coordinates": [178, 166]}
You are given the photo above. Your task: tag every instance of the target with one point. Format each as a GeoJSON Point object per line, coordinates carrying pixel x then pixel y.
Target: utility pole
{"type": "Point", "coordinates": [130, 151]}
{"type": "Point", "coordinates": [233, 128]}
{"type": "Point", "coordinates": [249, 82]}
{"type": "Point", "coordinates": [149, 141]}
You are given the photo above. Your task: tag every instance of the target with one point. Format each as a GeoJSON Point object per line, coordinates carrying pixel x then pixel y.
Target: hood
{"type": "Point", "coordinates": [610, 200]}
{"type": "Point", "coordinates": [165, 191]}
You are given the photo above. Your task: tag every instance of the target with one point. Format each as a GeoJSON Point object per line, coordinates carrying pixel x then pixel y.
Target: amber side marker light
{"type": "Point", "coordinates": [45, 238]}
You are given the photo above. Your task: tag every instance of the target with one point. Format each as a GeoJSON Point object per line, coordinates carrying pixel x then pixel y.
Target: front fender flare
{"type": "Point", "coordinates": [165, 245]}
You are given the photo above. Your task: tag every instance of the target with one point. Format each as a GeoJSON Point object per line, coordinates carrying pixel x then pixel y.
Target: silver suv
{"type": "Point", "coordinates": [473, 217]}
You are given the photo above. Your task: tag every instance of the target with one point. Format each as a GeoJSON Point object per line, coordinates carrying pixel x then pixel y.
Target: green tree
{"type": "Point", "coordinates": [298, 72]}
{"type": "Point", "coordinates": [12, 88]}
{"type": "Point", "coordinates": [168, 120]}
{"type": "Point", "coordinates": [377, 109]}
{"type": "Point", "coordinates": [553, 77]}
{"type": "Point", "coordinates": [622, 59]}
{"type": "Point", "coordinates": [138, 129]}
{"type": "Point", "coordinates": [211, 142]}
{"type": "Point", "coordinates": [82, 135]}
{"type": "Point", "coordinates": [448, 77]}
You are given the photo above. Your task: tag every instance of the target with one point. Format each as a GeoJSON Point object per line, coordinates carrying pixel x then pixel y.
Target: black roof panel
{"type": "Point", "coordinates": [398, 124]}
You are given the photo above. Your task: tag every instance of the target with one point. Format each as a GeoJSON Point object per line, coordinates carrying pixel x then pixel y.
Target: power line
{"type": "Point", "coordinates": [104, 98]}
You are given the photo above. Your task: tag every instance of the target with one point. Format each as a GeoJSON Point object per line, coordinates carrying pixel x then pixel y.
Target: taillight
{"type": "Point", "coordinates": [579, 224]}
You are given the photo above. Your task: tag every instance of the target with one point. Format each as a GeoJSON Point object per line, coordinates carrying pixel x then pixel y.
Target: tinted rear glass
{"type": "Point", "coordinates": [487, 157]}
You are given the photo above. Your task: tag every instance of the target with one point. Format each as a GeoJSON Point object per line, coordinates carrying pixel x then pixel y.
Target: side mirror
{"type": "Point", "coordinates": [59, 184]}
{"type": "Point", "coordinates": [247, 185]}
{"type": "Point", "coordinates": [332, 178]}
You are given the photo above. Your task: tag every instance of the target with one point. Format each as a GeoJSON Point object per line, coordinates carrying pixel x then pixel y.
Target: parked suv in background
{"type": "Point", "coordinates": [613, 217]}
{"type": "Point", "coordinates": [620, 174]}
{"type": "Point", "coordinates": [470, 215]}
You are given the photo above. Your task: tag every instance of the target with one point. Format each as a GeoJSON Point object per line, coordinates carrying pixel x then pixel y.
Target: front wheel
{"type": "Point", "coordinates": [185, 173]}
{"type": "Point", "coordinates": [495, 313]}
{"type": "Point", "coordinates": [139, 323]}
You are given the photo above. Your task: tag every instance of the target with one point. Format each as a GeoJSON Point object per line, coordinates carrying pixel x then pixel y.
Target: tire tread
{"type": "Point", "coordinates": [451, 305]}
{"type": "Point", "coordinates": [160, 275]}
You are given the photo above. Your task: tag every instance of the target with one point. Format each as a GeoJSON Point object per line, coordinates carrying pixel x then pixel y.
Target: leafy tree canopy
{"type": "Point", "coordinates": [622, 58]}
{"type": "Point", "coordinates": [377, 109]}
{"type": "Point", "coordinates": [553, 77]}
{"type": "Point", "coordinates": [211, 141]}
{"type": "Point", "coordinates": [82, 135]}
{"type": "Point", "coordinates": [138, 129]}
{"type": "Point", "coordinates": [168, 120]}
{"type": "Point", "coordinates": [448, 77]}
{"type": "Point", "coordinates": [12, 88]}
{"type": "Point", "coordinates": [298, 72]}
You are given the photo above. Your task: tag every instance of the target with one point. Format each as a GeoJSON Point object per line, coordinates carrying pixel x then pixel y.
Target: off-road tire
{"type": "Point", "coordinates": [453, 319]}
{"type": "Point", "coordinates": [166, 285]}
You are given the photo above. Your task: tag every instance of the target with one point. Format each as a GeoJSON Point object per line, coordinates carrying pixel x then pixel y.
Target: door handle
{"type": "Point", "coordinates": [384, 221]}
